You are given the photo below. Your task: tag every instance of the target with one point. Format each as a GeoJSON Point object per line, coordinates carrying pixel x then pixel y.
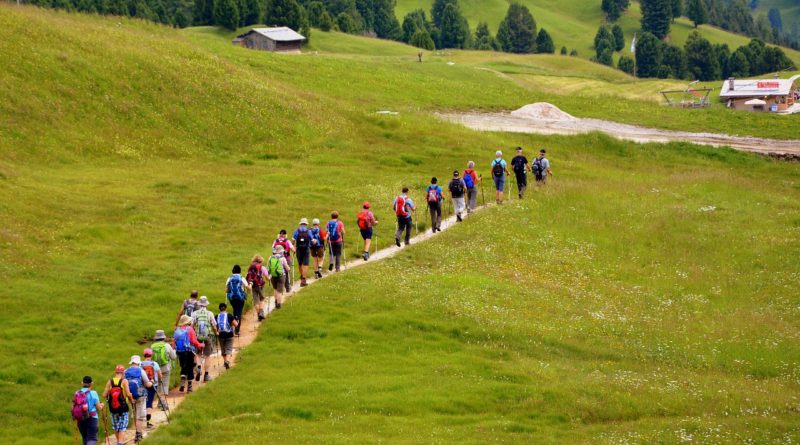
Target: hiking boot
{"type": "Point", "coordinates": [183, 383]}
{"type": "Point", "coordinates": [277, 305]}
{"type": "Point", "coordinates": [206, 378]}
{"type": "Point", "coordinates": [196, 377]}
{"type": "Point", "coordinates": [260, 316]}
{"type": "Point", "coordinates": [458, 218]}
{"type": "Point", "coordinates": [150, 426]}
{"type": "Point", "coordinates": [303, 282]}
{"type": "Point", "coordinates": [318, 273]}
{"type": "Point", "coordinates": [189, 387]}
{"type": "Point", "coordinates": [365, 256]}
{"type": "Point", "coordinates": [138, 437]}
{"type": "Point", "coordinates": [397, 241]}
{"type": "Point", "coordinates": [330, 267]}
{"type": "Point", "coordinates": [227, 364]}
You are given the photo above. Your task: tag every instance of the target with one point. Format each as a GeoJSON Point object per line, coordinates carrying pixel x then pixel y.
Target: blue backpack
{"type": "Point", "coordinates": [333, 230]}
{"type": "Point", "coordinates": [468, 180]}
{"type": "Point", "coordinates": [224, 323]}
{"type": "Point", "coordinates": [315, 236]}
{"type": "Point", "coordinates": [235, 291]}
{"type": "Point", "coordinates": [135, 383]}
{"type": "Point", "coordinates": [181, 338]}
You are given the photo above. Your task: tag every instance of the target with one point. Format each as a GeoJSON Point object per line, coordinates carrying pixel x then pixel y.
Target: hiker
{"type": "Point", "coordinates": [433, 194]}
{"type": "Point", "coordinates": [187, 307]}
{"type": "Point", "coordinates": [117, 393]}
{"type": "Point", "coordinates": [471, 180]}
{"type": "Point", "coordinates": [419, 55]}
{"type": "Point", "coordinates": [457, 189]}
{"type": "Point", "coordinates": [85, 405]}
{"type": "Point", "coordinates": [318, 237]}
{"type": "Point", "coordinates": [256, 275]}
{"type": "Point", "coordinates": [302, 242]}
{"type": "Point", "coordinates": [366, 220]}
{"type": "Point", "coordinates": [153, 371]}
{"type": "Point", "coordinates": [184, 341]}
{"type": "Point", "coordinates": [288, 248]}
{"type": "Point", "coordinates": [499, 172]}
{"type": "Point", "coordinates": [164, 355]}
{"type": "Point", "coordinates": [138, 382]}
{"type": "Point", "coordinates": [403, 206]}
{"type": "Point", "coordinates": [205, 328]}
{"type": "Point", "coordinates": [225, 326]}
{"type": "Point", "coordinates": [335, 229]}
{"type": "Point", "coordinates": [541, 168]}
{"type": "Point", "coordinates": [520, 166]}
{"type": "Point", "coordinates": [277, 268]}
{"type": "Point", "coordinates": [236, 291]}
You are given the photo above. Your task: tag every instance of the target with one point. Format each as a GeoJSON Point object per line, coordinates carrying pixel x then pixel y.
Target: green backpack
{"type": "Point", "coordinates": [275, 267]}
{"type": "Point", "coordinates": [160, 353]}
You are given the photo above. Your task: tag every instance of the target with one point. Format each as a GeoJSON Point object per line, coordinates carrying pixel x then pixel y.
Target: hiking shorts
{"type": "Point", "coordinates": [277, 284]}
{"type": "Point", "coordinates": [499, 183]}
{"type": "Point", "coordinates": [366, 233]}
{"type": "Point", "coordinates": [303, 255]}
{"type": "Point", "coordinates": [119, 422]}
{"type": "Point", "coordinates": [226, 344]}
{"type": "Point", "coordinates": [318, 252]}
{"type": "Point", "coordinates": [140, 412]}
{"type": "Point", "coordinates": [258, 294]}
{"type": "Point", "coordinates": [209, 347]}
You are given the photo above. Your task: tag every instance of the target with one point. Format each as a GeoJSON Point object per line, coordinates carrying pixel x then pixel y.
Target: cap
{"type": "Point", "coordinates": [366, 204]}
{"type": "Point", "coordinates": [148, 352]}
{"type": "Point", "coordinates": [87, 379]}
{"type": "Point", "coordinates": [119, 368]}
{"type": "Point", "coordinates": [135, 360]}
{"type": "Point", "coordinates": [303, 221]}
{"type": "Point", "coordinates": [315, 221]}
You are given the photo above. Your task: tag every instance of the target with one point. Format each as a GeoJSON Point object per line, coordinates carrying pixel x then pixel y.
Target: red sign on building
{"type": "Point", "coordinates": [768, 85]}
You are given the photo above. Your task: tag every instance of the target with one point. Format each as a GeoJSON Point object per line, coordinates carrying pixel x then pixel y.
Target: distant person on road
{"type": "Point", "coordinates": [318, 239]}
{"type": "Point", "coordinates": [277, 267]}
{"type": "Point", "coordinates": [153, 372]}
{"type": "Point", "coordinates": [302, 242]}
{"type": "Point", "coordinates": [225, 325]}
{"type": "Point", "coordinates": [117, 393]}
{"type": "Point", "coordinates": [187, 307]}
{"type": "Point", "coordinates": [433, 194]}
{"type": "Point", "coordinates": [236, 291]}
{"type": "Point", "coordinates": [366, 219]}
{"type": "Point", "coordinates": [90, 406]}
{"type": "Point", "coordinates": [205, 327]}
{"type": "Point", "coordinates": [457, 190]}
{"type": "Point", "coordinates": [520, 166]}
{"type": "Point", "coordinates": [184, 341]}
{"type": "Point", "coordinates": [403, 207]}
{"type": "Point", "coordinates": [288, 248]}
{"type": "Point", "coordinates": [471, 180]}
{"type": "Point", "coordinates": [138, 382]}
{"type": "Point", "coordinates": [499, 172]}
{"type": "Point", "coordinates": [541, 168]}
{"type": "Point", "coordinates": [164, 355]}
{"type": "Point", "coordinates": [256, 278]}
{"type": "Point", "coordinates": [335, 229]}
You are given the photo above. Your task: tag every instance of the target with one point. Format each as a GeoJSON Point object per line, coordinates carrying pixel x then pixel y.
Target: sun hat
{"type": "Point", "coordinates": [315, 221]}
{"type": "Point", "coordinates": [119, 369]}
{"type": "Point", "coordinates": [366, 205]}
{"type": "Point", "coordinates": [135, 360]}
{"type": "Point", "coordinates": [498, 153]}
{"type": "Point", "coordinates": [203, 301]}
{"type": "Point", "coordinates": [148, 352]}
{"type": "Point", "coordinates": [185, 319]}
{"type": "Point", "coordinates": [274, 250]}
{"type": "Point", "coordinates": [278, 249]}
{"type": "Point", "coordinates": [160, 335]}
{"type": "Point", "coordinates": [303, 221]}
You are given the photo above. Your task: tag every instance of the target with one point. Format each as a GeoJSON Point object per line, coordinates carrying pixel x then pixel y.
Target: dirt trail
{"type": "Point", "coordinates": [544, 118]}
{"type": "Point", "coordinates": [251, 325]}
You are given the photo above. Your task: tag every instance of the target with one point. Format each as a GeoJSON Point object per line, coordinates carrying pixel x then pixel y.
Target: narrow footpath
{"type": "Point", "coordinates": [250, 324]}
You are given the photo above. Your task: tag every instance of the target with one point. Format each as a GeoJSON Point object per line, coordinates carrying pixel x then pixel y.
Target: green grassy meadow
{"type": "Point", "coordinates": [140, 162]}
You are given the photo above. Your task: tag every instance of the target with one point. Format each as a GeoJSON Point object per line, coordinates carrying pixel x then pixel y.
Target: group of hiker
{"type": "Point", "coordinates": [199, 333]}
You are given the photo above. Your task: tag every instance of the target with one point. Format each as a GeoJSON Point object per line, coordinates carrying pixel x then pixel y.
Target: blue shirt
{"type": "Point", "coordinates": [501, 162]}
{"type": "Point", "coordinates": [434, 187]}
{"type": "Point", "coordinates": [92, 399]}
{"type": "Point", "coordinates": [409, 204]}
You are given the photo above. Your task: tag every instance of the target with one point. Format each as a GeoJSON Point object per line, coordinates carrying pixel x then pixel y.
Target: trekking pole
{"type": "Point", "coordinates": [161, 399]}
{"type": "Point", "coordinates": [76, 433]}
{"type": "Point", "coordinates": [483, 197]}
{"type": "Point", "coordinates": [344, 252]}
{"type": "Point", "coordinates": [105, 425]}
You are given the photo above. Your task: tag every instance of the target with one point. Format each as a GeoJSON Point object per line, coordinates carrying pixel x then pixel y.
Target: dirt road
{"type": "Point", "coordinates": [544, 118]}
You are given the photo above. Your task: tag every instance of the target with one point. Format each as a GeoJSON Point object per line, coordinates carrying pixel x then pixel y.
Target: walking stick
{"type": "Point", "coordinates": [76, 433]}
{"type": "Point", "coordinates": [344, 253]}
{"type": "Point", "coordinates": [166, 410]}
{"type": "Point", "coordinates": [105, 425]}
{"type": "Point", "coordinates": [483, 197]}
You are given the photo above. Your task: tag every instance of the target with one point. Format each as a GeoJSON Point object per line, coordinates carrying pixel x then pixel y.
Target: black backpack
{"type": "Point", "coordinates": [497, 169]}
{"type": "Point", "coordinates": [456, 187]}
{"type": "Point", "coordinates": [303, 239]}
{"type": "Point", "coordinates": [537, 167]}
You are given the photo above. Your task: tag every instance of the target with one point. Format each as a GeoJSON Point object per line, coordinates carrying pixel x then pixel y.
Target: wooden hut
{"type": "Point", "coordinates": [775, 95]}
{"type": "Point", "coordinates": [280, 39]}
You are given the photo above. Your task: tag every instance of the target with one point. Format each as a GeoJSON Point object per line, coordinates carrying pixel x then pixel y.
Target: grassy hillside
{"type": "Point", "coordinates": [140, 162]}
{"type": "Point", "coordinates": [790, 11]}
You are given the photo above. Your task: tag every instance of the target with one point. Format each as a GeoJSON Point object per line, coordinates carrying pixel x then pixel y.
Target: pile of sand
{"type": "Point", "coordinates": [542, 111]}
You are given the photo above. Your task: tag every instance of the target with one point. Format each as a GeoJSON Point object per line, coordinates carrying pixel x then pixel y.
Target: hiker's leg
{"type": "Point", "coordinates": [82, 430]}
{"type": "Point", "coordinates": [163, 386]}
{"type": "Point", "coordinates": [408, 231]}
{"type": "Point", "coordinates": [258, 299]}
{"type": "Point", "coordinates": [92, 427]}
{"type": "Point", "coordinates": [337, 254]}
{"type": "Point", "coordinates": [238, 308]}
{"type": "Point", "coordinates": [400, 227]}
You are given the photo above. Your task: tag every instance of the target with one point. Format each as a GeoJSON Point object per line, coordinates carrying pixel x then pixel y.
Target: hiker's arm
{"type": "Point", "coordinates": [146, 380]}
{"type": "Point", "coordinates": [126, 390]}
{"type": "Point", "coordinates": [98, 406]}
{"type": "Point", "coordinates": [107, 389]}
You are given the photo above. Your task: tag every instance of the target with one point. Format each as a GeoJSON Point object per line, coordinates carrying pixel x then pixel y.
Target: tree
{"type": "Point", "coordinates": [437, 11]}
{"type": "Point", "coordinates": [648, 55]}
{"type": "Point", "coordinates": [413, 21]}
{"type": "Point", "coordinates": [544, 43]}
{"type": "Point", "coordinates": [288, 13]}
{"type": "Point", "coordinates": [483, 39]}
{"type": "Point", "coordinates": [619, 37]}
{"type": "Point", "coordinates": [203, 12]}
{"type": "Point", "coordinates": [603, 34]}
{"type": "Point", "coordinates": [723, 54]}
{"type": "Point", "coordinates": [573, 53]}
{"type": "Point", "coordinates": [656, 15]}
{"type": "Point", "coordinates": [385, 22]}
{"type": "Point", "coordinates": [674, 58]}
{"type": "Point", "coordinates": [611, 9]}
{"type": "Point", "coordinates": [345, 23]}
{"type": "Point", "coordinates": [625, 64]}
{"type": "Point", "coordinates": [702, 63]}
{"type": "Point", "coordinates": [454, 29]}
{"type": "Point", "coordinates": [226, 14]}
{"type": "Point", "coordinates": [314, 10]}
{"type": "Point", "coordinates": [738, 65]}
{"type": "Point", "coordinates": [326, 22]}
{"type": "Point", "coordinates": [252, 14]}
{"type": "Point", "coordinates": [563, 50]}
{"type": "Point", "coordinates": [697, 13]}
{"type": "Point", "coordinates": [775, 20]}
{"type": "Point", "coordinates": [421, 39]}
{"type": "Point", "coordinates": [606, 56]}
{"type": "Point", "coordinates": [517, 32]}
{"type": "Point", "coordinates": [677, 9]}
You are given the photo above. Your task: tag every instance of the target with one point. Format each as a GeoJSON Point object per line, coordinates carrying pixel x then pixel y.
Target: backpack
{"type": "Point", "coordinates": [363, 220]}
{"type": "Point", "coordinates": [254, 275]}
{"type": "Point", "coordinates": [303, 239]}
{"type": "Point", "coordinates": [189, 307]}
{"type": "Point", "coordinates": [116, 398]}
{"type": "Point", "coordinates": [181, 337]}
{"type": "Point", "coordinates": [234, 288]}
{"type": "Point", "coordinates": [537, 167]}
{"type": "Point", "coordinates": [285, 244]}
{"type": "Point", "coordinates": [160, 353]}
{"type": "Point", "coordinates": [519, 166]}
{"type": "Point", "coordinates": [224, 323]}
{"type": "Point", "coordinates": [400, 206]}
{"type": "Point", "coordinates": [468, 181]}
{"type": "Point", "coordinates": [80, 405]}
{"type": "Point", "coordinates": [456, 188]}
{"type": "Point", "coordinates": [135, 382]}
{"type": "Point", "coordinates": [433, 195]}
{"type": "Point", "coordinates": [275, 267]}
{"type": "Point", "coordinates": [333, 230]}
{"type": "Point", "coordinates": [497, 168]}
{"type": "Point", "coordinates": [316, 235]}
{"type": "Point", "coordinates": [202, 325]}
{"type": "Point", "coordinates": [150, 370]}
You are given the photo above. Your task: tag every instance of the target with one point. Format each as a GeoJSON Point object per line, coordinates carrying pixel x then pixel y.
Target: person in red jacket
{"type": "Point", "coordinates": [184, 341]}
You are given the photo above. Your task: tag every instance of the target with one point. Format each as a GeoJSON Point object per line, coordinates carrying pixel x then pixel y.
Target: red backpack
{"type": "Point", "coordinates": [150, 370]}
{"type": "Point", "coordinates": [116, 398]}
{"type": "Point", "coordinates": [255, 274]}
{"type": "Point", "coordinates": [363, 220]}
{"type": "Point", "coordinates": [400, 206]}
{"type": "Point", "coordinates": [433, 195]}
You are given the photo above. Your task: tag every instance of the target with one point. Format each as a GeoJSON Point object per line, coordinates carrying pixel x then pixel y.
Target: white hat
{"type": "Point", "coordinates": [315, 221]}
{"type": "Point", "coordinates": [303, 221]}
{"type": "Point", "coordinates": [203, 301]}
{"type": "Point", "coordinates": [498, 153]}
{"type": "Point", "coordinates": [135, 360]}
{"type": "Point", "coordinates": [278, 249]}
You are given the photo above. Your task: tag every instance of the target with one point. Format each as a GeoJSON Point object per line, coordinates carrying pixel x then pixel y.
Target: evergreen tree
{"type": "Point", "coordinates": [483, 39]}
{"type": "Point", "coordinates": [702, 63]}
{"type": "Point", "coordinates": [454, 28]}
{"type": "Point", "coordinates": [723, 54]}
{"type": "Point", "coordinates": [613, 13]}
{"type": "Point", "coordinates": [251, 14]}
{"type": "Point", "coordinates": [544, 43]}
{"type": "Point", "coordinates": [738, 65]}
{"type": "Point", "coordinates": [775, 19]}
{"type": "Point", "coordinates": [677, 9]}
{"type": "Point", "coordinates": [226, 14]}
{"type": "Point", "coordinates": [437, 11]}
{"type": "Point", "coordinates": [619, 37]}
{"type": "Point", "coordinates": [203, 12]}
{"type": "Point", "coordinates": [366, 12]}
{"type": "Point", "coordinates": [625, 64]}
{"type": "Point", "coordinates": [345, 23]}
{"type": "Point", "coordinates": [326, 22]}
{"type": "Point", "coordinates": [563, 50]}
{"type": "Point", "coordinates": [385, 22]}
{"type": "Point", "coordinates": [288, 13]}
{"type": "Point", "coordinates": [674, 58]}
{"type": "Point", "coordinates": [413, 21]}
{"type": "Point", "coordinates": [697, 13]}
{"type": "Point", "coordinates": [606, 56]}
{"type": "Point", "coordinates": [517, 32]}
{"type": "Point", "coordinates": [656, 16]}
{"type": "Point", "coordinates": [314, 10]}
{"type": "Point", "coordinates": [421, 39]}
{"type": "Point", "coordinates": [573, 53]}
{"type": "Point", "coordinates": [648, 55]}
{"type": "Point", "coordinates": [603, 34]}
